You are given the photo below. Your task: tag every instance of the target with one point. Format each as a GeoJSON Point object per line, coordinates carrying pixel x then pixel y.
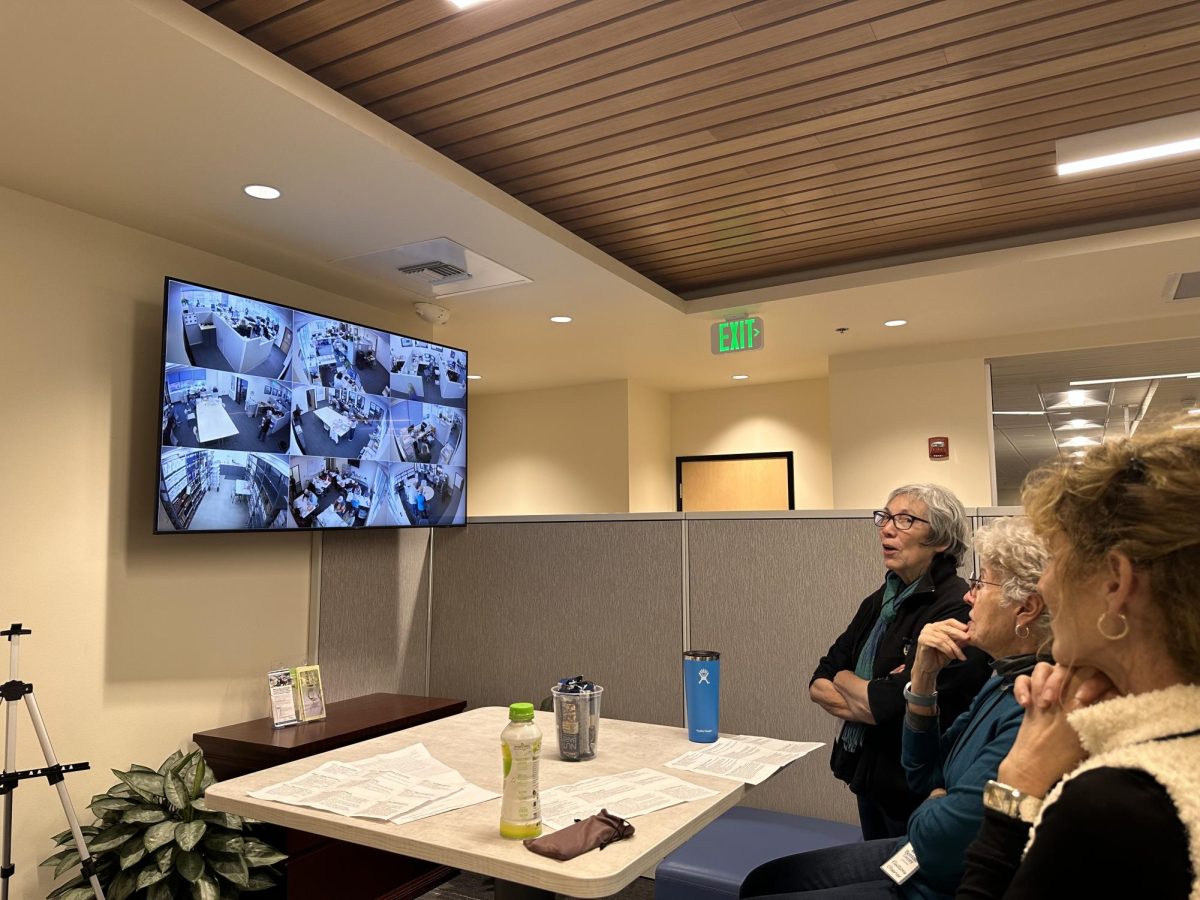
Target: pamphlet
{"type": "Point", "coordinates": [312, 696]}
{"type": "Point", "coordinates": [282, 684]}
{"type": "Point", "coordinates": [626, 794]}
{"type": "Point", "coordinates": [743, 757]}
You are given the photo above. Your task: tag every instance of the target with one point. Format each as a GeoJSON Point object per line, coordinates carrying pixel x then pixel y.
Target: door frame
{"type": "Point", "coordinates": [784, 454]}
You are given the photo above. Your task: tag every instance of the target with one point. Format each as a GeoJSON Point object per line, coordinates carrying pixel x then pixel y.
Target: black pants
{"type": "Point", "coordinates": [878, 823]}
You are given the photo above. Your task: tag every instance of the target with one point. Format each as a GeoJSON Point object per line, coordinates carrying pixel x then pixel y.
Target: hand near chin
{"type": "Point", "coordinates": [1047, 747]}
{"type": "Point", "coordinates": [938, 644]}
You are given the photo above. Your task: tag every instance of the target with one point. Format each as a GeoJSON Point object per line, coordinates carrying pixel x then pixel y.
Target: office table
{"type": "Point", "coordinates": [338, 424]}
{"type": "Point", "coordinates": [330, 519]}
{"type": "Point", "coordinates": [212, 421]}
{"type": "Point", "coordinates": [241, 488]}
{"type": "Point", "coordinates": [469, 838]}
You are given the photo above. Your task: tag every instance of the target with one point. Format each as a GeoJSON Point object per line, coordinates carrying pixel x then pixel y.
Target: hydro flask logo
{"type": "Point", "coordinates": [704, 677]}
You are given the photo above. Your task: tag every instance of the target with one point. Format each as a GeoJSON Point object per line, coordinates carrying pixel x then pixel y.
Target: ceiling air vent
{"type": "Point", "coordinates": [1183, 288]}
{"type": "Point", "coordinates": [436, 272]}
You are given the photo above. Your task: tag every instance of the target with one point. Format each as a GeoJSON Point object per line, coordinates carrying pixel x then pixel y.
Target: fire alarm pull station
{"type": "Point", "coordinates": [939, 448]}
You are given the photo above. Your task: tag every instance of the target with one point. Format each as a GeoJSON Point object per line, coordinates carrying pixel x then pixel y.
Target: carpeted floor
{"type": "Point", "coordinates": [475, 887]}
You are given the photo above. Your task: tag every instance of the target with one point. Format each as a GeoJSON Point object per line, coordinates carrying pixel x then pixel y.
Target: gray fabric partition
{"type": "Point", "coordinates": [374, 616]}
{"type": "Point", "coordinates": [771, 595]}
{"type": "Point", "coordinates": [519, 605]}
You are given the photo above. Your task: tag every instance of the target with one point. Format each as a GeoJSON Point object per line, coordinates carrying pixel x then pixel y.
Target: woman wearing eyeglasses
{"type": "Point", "coordinates": [1009, 623]}
{"type": "Point", "coordinates": [923, 536]}
{"type": "Point", "coordinates": [1100, 794]}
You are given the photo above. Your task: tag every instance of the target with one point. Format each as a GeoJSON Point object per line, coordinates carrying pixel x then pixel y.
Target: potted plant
{"type": "Point", "coordinates": [155, 839]}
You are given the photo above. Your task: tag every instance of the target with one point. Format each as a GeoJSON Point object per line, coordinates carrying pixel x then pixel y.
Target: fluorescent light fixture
{"type": "Point", "coordinates": [1194, 412]}
{"type": "Point", "coordinates": [561, 320]}
{"type": "Point", "coordinates": [1137, 378]}
{"type": "Point", "coordinates": [262, 191]}
{"type": "Point", "coordinates": [466, 4]}
{"type": "Point", "coordinates": [1076, 399]}
{"type": "Point", "coordinates": [895, 323]}
{"type": "Point", "coordinates": [474, 377]}
{"type": "Point", "coordinates": [740, 377]}
{"type": "Point", "coordinates": [1077, 453]}
{"type": "Point", "coordinates": [1080, 442]}
{"type": "Point", "coordinates": [1188, 427]}
{"type": "Point", "coordinates": [1077, 425]}
{"type": "Point", "coordinates": [1144, 141]}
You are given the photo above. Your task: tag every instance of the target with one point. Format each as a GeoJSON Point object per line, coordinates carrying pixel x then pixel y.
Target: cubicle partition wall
{"type": "Point", "coordinates": [500, 610]}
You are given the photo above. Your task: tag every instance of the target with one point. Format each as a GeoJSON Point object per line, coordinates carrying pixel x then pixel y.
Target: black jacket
{"type": "Point", "coordinates": [873, 771]}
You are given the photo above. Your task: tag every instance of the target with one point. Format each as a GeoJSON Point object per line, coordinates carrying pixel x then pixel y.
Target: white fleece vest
{"type": "Point", "coordinates": [1120, 733]}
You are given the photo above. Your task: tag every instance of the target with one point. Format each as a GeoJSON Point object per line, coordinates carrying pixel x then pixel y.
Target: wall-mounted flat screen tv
{"type": "Point", "coordinates": [274, 419]}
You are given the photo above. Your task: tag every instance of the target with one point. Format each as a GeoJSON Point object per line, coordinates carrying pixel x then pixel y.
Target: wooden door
{"type": "Point", "coordinates": [737, 482]}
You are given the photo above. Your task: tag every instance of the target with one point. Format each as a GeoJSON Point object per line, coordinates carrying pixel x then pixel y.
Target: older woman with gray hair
{"type": "Point", "coordinates": [1009, 622]}
{"type": "Point", "coordinates": [923, 535]}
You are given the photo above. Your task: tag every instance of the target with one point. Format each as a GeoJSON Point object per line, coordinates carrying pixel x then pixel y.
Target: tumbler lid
{"type": "Point", "coordinates": [701, 654]}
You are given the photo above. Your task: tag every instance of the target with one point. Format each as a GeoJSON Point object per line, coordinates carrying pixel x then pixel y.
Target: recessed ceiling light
{"type": "Point", "coordinates": [1080, 442]}
{"type": "Point", "coordinates": [1143, 141]}
{"type": "Point", "coordinates": [1194, 412]}
{"type": "Point", "coordinates": [740, 377]}
{"type": "Point", "coordinates": [561, 320]}
{"type": "Point", "coordinates": [474, 377]}
{"type": "Point", "coordinates": [895, 323]}
{"type": "Point", "coordinates": [1077, 425]}
{"type": "Point", "coordinates": [466, 4]}
{"type": "Point", "coordinates": [1138, 378]}
{"type": "Point", "coordinates": [1077, 453]}
{"type": "Point", "coordinates": [262, 191]}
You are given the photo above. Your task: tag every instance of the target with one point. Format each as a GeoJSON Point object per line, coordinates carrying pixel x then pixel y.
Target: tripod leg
{"type": "Point", "coordinates": [85, 857]}
{"type": "Point", "coordinates": [10, 756]}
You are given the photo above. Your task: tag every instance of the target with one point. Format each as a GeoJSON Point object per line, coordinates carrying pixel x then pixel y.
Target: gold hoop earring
{"type": "Point", "coordinates": [1017, 631]}
{"type": "Point", "coordinates": [1112, 637]}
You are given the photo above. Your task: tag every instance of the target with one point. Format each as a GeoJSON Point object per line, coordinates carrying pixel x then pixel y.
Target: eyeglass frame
{"type": "Point", "coordinates": [882, 517]}
{"type": "Point", "coordinates": [975, 581]}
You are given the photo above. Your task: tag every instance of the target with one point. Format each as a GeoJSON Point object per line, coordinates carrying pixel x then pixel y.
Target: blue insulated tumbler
{"type": "Point", "coordinates": [702, 694]}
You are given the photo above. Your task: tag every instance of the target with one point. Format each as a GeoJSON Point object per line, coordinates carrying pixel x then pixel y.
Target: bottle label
{"type": "Point", "coordinates": [520, 804]}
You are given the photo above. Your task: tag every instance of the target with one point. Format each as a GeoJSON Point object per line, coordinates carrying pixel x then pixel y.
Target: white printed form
{"type": "Point", "coordinates": [401, 787]}
{"type": "Point", "coordinates": [626, 794]}
{"type": "Point", "coordinates": [743, 757]}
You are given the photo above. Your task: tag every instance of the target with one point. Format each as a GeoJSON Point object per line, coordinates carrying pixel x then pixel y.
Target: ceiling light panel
{"type": "Point", "coordinates": [1129, 144]}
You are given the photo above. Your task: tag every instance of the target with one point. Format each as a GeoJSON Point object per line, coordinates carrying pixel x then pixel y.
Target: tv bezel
{"type": "Point", "coordinates": [162, 373]}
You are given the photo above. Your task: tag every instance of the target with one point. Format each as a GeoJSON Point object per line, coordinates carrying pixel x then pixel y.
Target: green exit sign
{"type": "Point", "coordinates": [742, 334]}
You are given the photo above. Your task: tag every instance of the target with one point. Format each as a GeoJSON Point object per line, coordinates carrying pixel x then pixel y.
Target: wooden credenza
{"type": "Point", "coordinates": [319, 868]}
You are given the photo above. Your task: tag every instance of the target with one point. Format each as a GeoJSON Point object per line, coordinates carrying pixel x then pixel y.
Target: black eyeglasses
{"type": "Point", "coordinates": [975, 581]}
{"type": "Point", "coordinates": [902, 521]}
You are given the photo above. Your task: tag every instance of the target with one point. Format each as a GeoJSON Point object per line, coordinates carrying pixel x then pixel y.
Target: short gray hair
{"type": "Point", "coordinates": [1010, 545]}
{"type": "Point", "coordinates": [947, 518]}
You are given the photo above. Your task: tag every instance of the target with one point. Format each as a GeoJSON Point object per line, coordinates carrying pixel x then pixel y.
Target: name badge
{"type": "Point", "coordinates": [901, 866]}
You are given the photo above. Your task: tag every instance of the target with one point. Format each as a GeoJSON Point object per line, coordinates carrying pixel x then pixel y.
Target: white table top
{"type": "Point", "coordinates": [212, 421]}
{"type": "Point", "coordinates": [241, 488]}
{"type": "Point", "coordinates": [469, 838]}
{"type": "Point", "coordinates": [331, 519]}
{"type": "Point", "coordinates": [335, 420]}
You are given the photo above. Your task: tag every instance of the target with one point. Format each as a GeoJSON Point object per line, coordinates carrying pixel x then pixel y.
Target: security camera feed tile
{"type": "Point", "coordinates": [276, 419]}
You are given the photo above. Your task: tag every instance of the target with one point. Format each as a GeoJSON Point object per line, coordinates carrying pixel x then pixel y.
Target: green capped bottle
{"type": "Point", "coordinates": [521, 746]}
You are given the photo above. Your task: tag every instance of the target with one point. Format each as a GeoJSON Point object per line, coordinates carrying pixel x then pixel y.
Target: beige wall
{"type": "Point", "coordinates": [563, 450]}
{"type": "Point", "coordinates": [882, 418]}
{"type": "Point", "coordinates": [138, 640]}
{"type": "Point", "coordinates": [651, 466]}
{"type": "Point", "coordinates": [749, 418]}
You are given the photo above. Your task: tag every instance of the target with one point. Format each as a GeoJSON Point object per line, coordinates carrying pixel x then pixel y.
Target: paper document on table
{"type": "Point", "coordinates": [626, 794]}
{"type": "Point", "coordinates": [743, 758]}
{"type": "Point", "coordinates": [405, 785]}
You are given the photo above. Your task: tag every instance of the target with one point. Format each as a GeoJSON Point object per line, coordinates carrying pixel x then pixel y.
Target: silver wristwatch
{"type": "Point", "coordinates": [1011, 802]}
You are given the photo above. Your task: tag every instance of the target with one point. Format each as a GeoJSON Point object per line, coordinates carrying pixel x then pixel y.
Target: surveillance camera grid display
{"type": "Point", "coordinates": [276, 419]}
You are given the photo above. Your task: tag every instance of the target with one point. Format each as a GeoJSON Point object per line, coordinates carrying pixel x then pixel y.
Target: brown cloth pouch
{"type": "Point", "coordinates": [587, 834]}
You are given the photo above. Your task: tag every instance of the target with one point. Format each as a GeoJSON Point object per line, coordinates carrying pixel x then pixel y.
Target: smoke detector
{"type": "Point", "coordinates": [431, 312]}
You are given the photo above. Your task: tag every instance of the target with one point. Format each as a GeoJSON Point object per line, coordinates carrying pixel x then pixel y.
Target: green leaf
{"type": "Point", "coordinates": [187, 769]}
{"type": "Point", "coordinates": [54, 858]}
{"type": "Point", "coordinates": [225, 842]}
{"type": "Point", "coordinates": [64, 836]}
{"type": "Point", "coordinates": [75, 882]}
{"type": "Point", "coordinates": [158, 834]}
{"type": "Point", "coordinates": [200, 804]}
{"type": "Point", "coordinates": [146, 784]}
{"type": "Point", "coordinates": [120, 790]}
{"type": "Point", "coordinates": [259, 853]}
{"type": "Point", "coordinates": [177, 794]}
{"type": "Point", "coordinates": [160, 891]}
{"type": "Point", "coordinates": [70, 860]}
{"type": "Point", "coordinates": [121, 887]}
{"type": "Point", "coordinates": [170, 762]}
{"type": "Point", "coordinates": [225, 820]}
{"type": "Point", "coordinates": [231, 868]}
{"type": "Point", "coordinates": [205, 888]}
{"type": "Point", "coordinates": [149, 875]}
{"type": "Point", "coordinates": [78, 893]}
{"type": "Point", "coordinates": [188, 834]}
{"type": "Point", "coordinates": [164, 857]}
{"type": "Point", "coordinates": [131, 853]}
{"type": "Point", "coordinates": [190, 864]}
{"type": "Point", "coordinates": [103, 801]}
{"type": "Point", "coordinates": [260, 881]}
{"type": "Point", "coordinates": [147, 815]}
{"type": "Point", "coordinates": [136, 767]}
{"type": "Point", "coordinates": [208, 780]}
{"type": "Point", "coordinates": [111, 838]}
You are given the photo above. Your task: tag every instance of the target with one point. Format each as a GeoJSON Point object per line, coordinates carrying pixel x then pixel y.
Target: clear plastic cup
{"type": "Point", "coordinates": [577, 722]}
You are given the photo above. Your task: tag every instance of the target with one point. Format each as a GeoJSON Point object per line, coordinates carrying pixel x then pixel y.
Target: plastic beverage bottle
{"type": "Point", "coordinates": [521, 746]}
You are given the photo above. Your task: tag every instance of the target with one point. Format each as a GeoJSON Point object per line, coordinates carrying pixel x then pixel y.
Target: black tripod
{"type": "Point", "coordinates": [11, 691]}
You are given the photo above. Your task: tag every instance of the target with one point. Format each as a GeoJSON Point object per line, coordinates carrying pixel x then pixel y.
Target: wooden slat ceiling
{"type": "Point", "coordinates": [708, 143]}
